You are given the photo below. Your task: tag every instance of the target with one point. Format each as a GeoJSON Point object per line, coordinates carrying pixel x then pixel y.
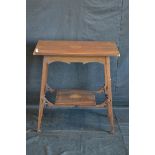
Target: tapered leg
{"type": "Point", "coordinates": [108, 92]}
{"type": "Point", "coordinates": [42, 92]}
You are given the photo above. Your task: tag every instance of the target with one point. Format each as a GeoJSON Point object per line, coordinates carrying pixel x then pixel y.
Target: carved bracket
{"type": "Point", "coordinates": [72, 59]}
{"type": "Point", "coordinates": [46, 102]}
{"type": "Point", "coordinates": [101, 90]}
{"type": "Point", "coordinates": [105, 103]}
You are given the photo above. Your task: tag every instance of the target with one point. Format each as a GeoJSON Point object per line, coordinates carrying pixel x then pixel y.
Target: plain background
{"type": "Point", "coordinates": [13, 77]}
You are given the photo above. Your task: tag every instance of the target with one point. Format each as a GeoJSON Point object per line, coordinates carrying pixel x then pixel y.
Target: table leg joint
{"type": "Point", "coordinates": [101, 89]}
{"type": "Point", "coordinates": [105, 103]}
{"type": "Point", "coordinates": [46, 101]}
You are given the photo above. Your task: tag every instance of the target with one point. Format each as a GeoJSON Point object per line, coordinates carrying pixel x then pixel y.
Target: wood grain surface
{"type": "Point", "coordinates": [75, 97]}
{"type": "Point", "coordinates": [76, 48]}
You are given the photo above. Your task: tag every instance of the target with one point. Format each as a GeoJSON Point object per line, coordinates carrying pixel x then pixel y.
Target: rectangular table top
{"type": "Point", "coordinates": [76, 48]}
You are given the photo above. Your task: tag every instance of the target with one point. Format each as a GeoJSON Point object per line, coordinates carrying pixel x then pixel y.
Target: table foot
{"type": "Point", "coordinates": [38, 130]}
{"type": "Point", "coordinates": [112, 131]}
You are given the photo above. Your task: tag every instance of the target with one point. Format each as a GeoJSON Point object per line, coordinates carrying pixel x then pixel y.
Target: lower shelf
{"type": "Point", "coordinates": [75, 98]}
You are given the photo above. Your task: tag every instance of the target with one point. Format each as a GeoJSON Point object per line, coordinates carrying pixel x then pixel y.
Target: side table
{"type": "Point", "coordinates": [76, 51]}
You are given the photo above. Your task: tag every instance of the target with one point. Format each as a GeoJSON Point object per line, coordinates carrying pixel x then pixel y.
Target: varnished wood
{"type": "Point", "coordinates": [76, 51]}
{"type": "Point", "coordinates": [42, 93]}
{"type": "Point", "coordinates": [75, 97]}
{"type": "Point", "coordinates": [109, 92]}
{"type": "Point", "coordinates": [76, 48]}
{"type": "Point", "coordinates": [71, 59]}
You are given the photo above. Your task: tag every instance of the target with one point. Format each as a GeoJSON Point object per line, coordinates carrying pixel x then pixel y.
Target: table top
{"type": "Point", "coordinates": [76, 48]}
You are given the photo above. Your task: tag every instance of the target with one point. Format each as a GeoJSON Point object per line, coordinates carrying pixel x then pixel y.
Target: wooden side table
{"type": "Point", "coordinates": [76, 51]}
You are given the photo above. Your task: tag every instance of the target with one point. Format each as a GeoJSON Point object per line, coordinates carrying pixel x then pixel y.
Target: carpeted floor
{"type": "Point", "coordinates": [75, 131]}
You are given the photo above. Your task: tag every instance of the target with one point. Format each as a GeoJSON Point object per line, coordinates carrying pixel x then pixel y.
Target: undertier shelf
{"type": "Point", "coordinates": [75, 98]}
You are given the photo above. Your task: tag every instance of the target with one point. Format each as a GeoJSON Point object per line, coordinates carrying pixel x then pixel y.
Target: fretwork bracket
{"type": "Point", "coordinates": [72, 59]}
{"type": "Point", "coordinates": [101, 90]}
{"type": "Point", "coordinates": [105, 103]}
{"type": "Point", "coordinates": [46, 102]}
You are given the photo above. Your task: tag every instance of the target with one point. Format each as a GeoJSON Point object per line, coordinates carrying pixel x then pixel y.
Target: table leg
{"type": "Point", "coordinates": [42, 93]}
{"type": "Point", "coordinates": [108, 92]}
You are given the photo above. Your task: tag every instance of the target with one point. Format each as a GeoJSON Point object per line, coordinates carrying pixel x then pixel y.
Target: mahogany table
{"type": "Point", "coordinates": [76, 51]}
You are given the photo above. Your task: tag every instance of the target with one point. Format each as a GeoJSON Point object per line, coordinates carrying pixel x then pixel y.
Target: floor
{"type": "Point", "coordinates": [77, 131]}
{"type": "Point", "coordinates": [122, 116]}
